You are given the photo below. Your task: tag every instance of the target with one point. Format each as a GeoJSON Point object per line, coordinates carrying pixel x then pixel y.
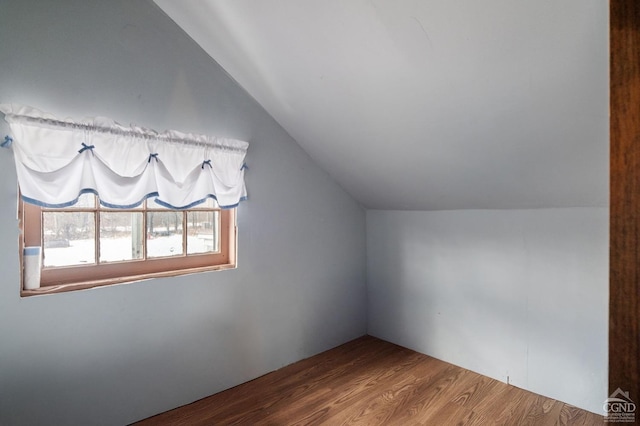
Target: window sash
{"type": "Point", "coordinates": [64, 278]}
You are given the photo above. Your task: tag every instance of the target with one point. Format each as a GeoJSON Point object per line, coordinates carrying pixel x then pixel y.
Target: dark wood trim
{"type": "Point", "coordinates": [624, 277]}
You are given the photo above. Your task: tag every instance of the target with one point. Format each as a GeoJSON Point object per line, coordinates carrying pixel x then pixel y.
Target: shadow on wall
{"type": "Point", "coordinates": [503, 293]}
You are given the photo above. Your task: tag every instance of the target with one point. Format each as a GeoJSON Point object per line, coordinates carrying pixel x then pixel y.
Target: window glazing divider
{"type": "Point", "coordinates": [96, 233]}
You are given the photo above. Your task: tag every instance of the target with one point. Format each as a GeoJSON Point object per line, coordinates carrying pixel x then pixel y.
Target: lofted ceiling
{"type": "Point", "coordinates": [428, 104]}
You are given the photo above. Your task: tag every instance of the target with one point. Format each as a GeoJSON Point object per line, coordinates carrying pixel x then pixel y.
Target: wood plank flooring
{"type": "Point", "coordinates": [372, 382]}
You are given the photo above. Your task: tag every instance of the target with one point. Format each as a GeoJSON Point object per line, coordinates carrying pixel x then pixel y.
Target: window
{"type": "Point", "coordinates": [81, 184]}
{"type": "Point", "coordinates": [87, 245]}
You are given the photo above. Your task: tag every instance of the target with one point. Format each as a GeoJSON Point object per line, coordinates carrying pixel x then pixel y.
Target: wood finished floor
{"type": "Point", "coordinates": [372, 382]}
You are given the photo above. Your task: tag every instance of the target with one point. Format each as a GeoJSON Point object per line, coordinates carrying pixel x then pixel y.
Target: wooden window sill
{"type": "Point", "coordinates": [85, 285]}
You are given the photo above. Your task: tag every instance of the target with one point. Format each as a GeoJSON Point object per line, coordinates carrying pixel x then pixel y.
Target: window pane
{"type": "Point", "coordinates": [69, 238]}
{"type": "Point", "coordinates": [164, 233]}
{"type": "Point", "coordinates": [138, 207]}
{"type": "Point", "coordinates": [120, 236]}
{"type": "Point", "coordinates": [202, 232]}
{"type": "Point", "coordinates": [209, 203]}
{"type": "Point", "coordinates": [152, 205]}
{"type": "Point", "coordinates": [85, 201]}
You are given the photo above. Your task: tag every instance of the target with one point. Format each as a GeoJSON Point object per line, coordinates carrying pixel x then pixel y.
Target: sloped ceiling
{"type": "Point", "coordinates": [428, 104]}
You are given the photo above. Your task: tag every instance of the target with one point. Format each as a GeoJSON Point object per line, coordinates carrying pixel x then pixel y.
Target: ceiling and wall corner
{"type": "Point", "coordinates": [428, 105]}
{"type": "Point", "coordinates": [452, 105]}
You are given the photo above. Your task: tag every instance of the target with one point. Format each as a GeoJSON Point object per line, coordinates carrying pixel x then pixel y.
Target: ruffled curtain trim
{"type": "Point", "coordinates": [58, 160]}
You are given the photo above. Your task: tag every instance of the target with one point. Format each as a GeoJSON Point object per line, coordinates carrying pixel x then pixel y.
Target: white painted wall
{"type": "Point", "coordinates": [119, 354]}
{"type": "Point", "coordinates": [518, 293]}
{"type": "Point", "coordinates": [446, 97]}
{"type": "Point", "coordinates": [522, 293]}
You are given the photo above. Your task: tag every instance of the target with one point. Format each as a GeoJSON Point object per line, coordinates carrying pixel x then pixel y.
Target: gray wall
{"type": "Point", "coordinates": [518, 293]}
{"type": "Point", "coordinates": [118, 354]}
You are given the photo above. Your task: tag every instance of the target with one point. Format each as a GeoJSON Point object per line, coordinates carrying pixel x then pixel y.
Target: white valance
{"type": "Point", "coordinates": [58, 160]}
